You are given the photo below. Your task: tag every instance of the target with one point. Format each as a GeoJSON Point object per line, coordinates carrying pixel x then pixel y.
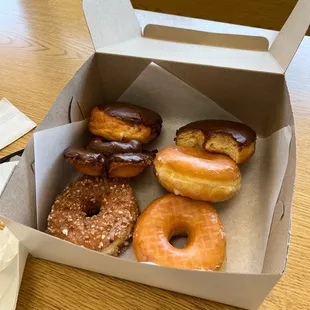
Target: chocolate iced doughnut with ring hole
{"type": "Point", "coordinates": [96, 213]}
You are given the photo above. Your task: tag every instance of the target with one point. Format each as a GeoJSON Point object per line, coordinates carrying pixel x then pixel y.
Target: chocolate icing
{"type": "Point", "coordinates": [243, 134]}
{"type": "Point", "coordinates": [133, 113]}
{"type": "Point", "coordinates": [109, 148]}
{"type": "Point", "coordinates": [132, 157]}
{"type": "Point", "coordinates": [83, 154]}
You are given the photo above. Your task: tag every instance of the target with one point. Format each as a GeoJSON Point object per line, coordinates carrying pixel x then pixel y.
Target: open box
{"type": "Point", "coordinates": [240, 73]}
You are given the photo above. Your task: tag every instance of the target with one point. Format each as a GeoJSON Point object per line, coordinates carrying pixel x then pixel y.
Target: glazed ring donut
{"type": "Point", "coordinates": [86, 161]}
{"type": "Point", "coordinates": [234, 139]}
{"type": "Point", "coordinates": [171, 216]}
{"type": "Point", "coordinates": [197, 174]}
{"type": "Point", "coordinates": [95, 213]}
{"type": "Point", "coordinates": [124, 122]}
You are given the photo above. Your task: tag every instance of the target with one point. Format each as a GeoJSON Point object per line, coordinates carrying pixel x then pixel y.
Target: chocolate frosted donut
{"type": "Point", "coordinates": [130, 164]}
{"type": "Point", "coordinates": [96, 213]}
{"type": "Point", "coordinates": [109, 148]}
{"type": "Point", "coordinates": [234, 139]}
{"type": "Point", "coordinates": [86, 161]}
{"type": "Point", "coordinates": [121, 121]}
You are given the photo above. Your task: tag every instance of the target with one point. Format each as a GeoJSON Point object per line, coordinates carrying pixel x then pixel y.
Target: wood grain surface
{"type": "Point", "coordinates": [42, 44]}
{"type": "Point", "coordinates": [268, 14]}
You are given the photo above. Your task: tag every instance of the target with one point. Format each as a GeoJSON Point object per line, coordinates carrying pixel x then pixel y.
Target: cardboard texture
{"type": "Point", "coordinates": [226, 77]}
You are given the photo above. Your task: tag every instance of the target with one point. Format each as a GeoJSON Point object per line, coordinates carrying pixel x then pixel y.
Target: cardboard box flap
{"type": "Point", "coordinates": [289, 38]}
{"type": "Point", "coordinates": [110, 21]}
{"type": "Point", "coordinates": [115, 30]}
{"type": "Point", "coordinates": [245, 42]}
{"type": "Point", "coordinates": [158, 50]}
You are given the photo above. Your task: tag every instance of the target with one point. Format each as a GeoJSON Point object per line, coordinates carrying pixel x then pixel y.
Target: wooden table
{"type": "Point", "coordinates": [42, 44]}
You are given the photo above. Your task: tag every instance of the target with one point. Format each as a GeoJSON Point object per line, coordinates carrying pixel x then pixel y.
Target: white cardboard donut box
{"type": "Point", "coordinates": [184, 75]}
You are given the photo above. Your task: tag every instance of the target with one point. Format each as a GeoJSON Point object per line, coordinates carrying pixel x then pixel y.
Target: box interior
{"type": "Point", "coordinates": [258, 98]}
{"type": "Point", "coordinates": [264, 106]}
{"type": "Point", "coordinates": [176, 114]}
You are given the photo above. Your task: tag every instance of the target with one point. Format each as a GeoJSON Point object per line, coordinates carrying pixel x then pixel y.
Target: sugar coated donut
{"type": "Point", "coordinates": [173, 215]}
{"type": "Point", "coordinates": [96, 213]}
{"type": "Point", "coordinates": [234, 139]}
{"type": "Point", "coordinates": [123, 122]}
{"type": "Point", "coordinates": [197, 174]}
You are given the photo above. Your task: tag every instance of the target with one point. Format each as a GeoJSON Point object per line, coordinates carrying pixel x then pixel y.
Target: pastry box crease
{"type": "Point", "coordinates": [242, 74]}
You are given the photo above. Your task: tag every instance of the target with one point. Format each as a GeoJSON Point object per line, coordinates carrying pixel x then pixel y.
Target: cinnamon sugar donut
{"type": "Point", "coordinates": [96, 213]}
{"type": "Point", "coordinates": [173, 215]}
{"type": "Point", "coordinates": [197, 174]}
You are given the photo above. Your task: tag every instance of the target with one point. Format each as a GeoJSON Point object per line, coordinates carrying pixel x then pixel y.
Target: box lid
{"type": "Point", "coordinates": [114, 29]}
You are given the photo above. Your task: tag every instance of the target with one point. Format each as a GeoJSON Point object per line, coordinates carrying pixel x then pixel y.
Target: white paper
{"type": "Point", "coordinates": [8, 263]}
{"type": "Point", "coordinates": [13, 123]}
{"type": "Point", "coordinates": [55, 141]}
{"type": "Point", "coordinates": [6, 170]}
{"type": "Point", "coordinates": [8, 248]}
{"type": "Point", "coordinates": [246, 218]}
{"type": "Point", "coordinates": [9, 299]}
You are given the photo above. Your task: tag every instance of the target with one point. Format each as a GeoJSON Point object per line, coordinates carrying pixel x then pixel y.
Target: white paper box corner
{"type": "Point", "coordinates": [11, 272]}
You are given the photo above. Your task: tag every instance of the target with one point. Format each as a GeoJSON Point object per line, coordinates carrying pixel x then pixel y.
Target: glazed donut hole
{"type": "Point", "coordinates": [179, 239]}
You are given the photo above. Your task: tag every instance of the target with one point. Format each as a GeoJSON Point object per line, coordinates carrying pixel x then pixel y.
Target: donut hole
{"type": "Point", "coordinates": [92, 208]}
{"type": "Point", "coordinates": [179, 239]}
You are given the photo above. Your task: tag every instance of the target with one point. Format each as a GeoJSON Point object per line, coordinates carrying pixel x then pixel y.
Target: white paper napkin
{"type": "Point", "coordinates": [8, 267]}
{"type": "Point", "coordinates": [9, 299]}
{"type": "Point", "coordinates": [9, 284]}
{"type": "Point", "coordinates": [13, 123]}
{"type": "Point", "coordinates": [6, 170]}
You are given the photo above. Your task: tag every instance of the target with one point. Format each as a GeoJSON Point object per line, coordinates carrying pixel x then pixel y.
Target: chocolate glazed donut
{"type": "Point", "coordinates": [107, 149]}
{"type": "Point", "coordinates": [129, 165]}
{"type": "Point", "coordinates": [86, 161]}
{"type": "Point", "coordinates": [121, 121]}
{"type": "Point", "coordinates": [113, 159]}
{"type": "Point", "coordinates": [125, 159]}
{"type": "Point", "coordinates": [234, 139]}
